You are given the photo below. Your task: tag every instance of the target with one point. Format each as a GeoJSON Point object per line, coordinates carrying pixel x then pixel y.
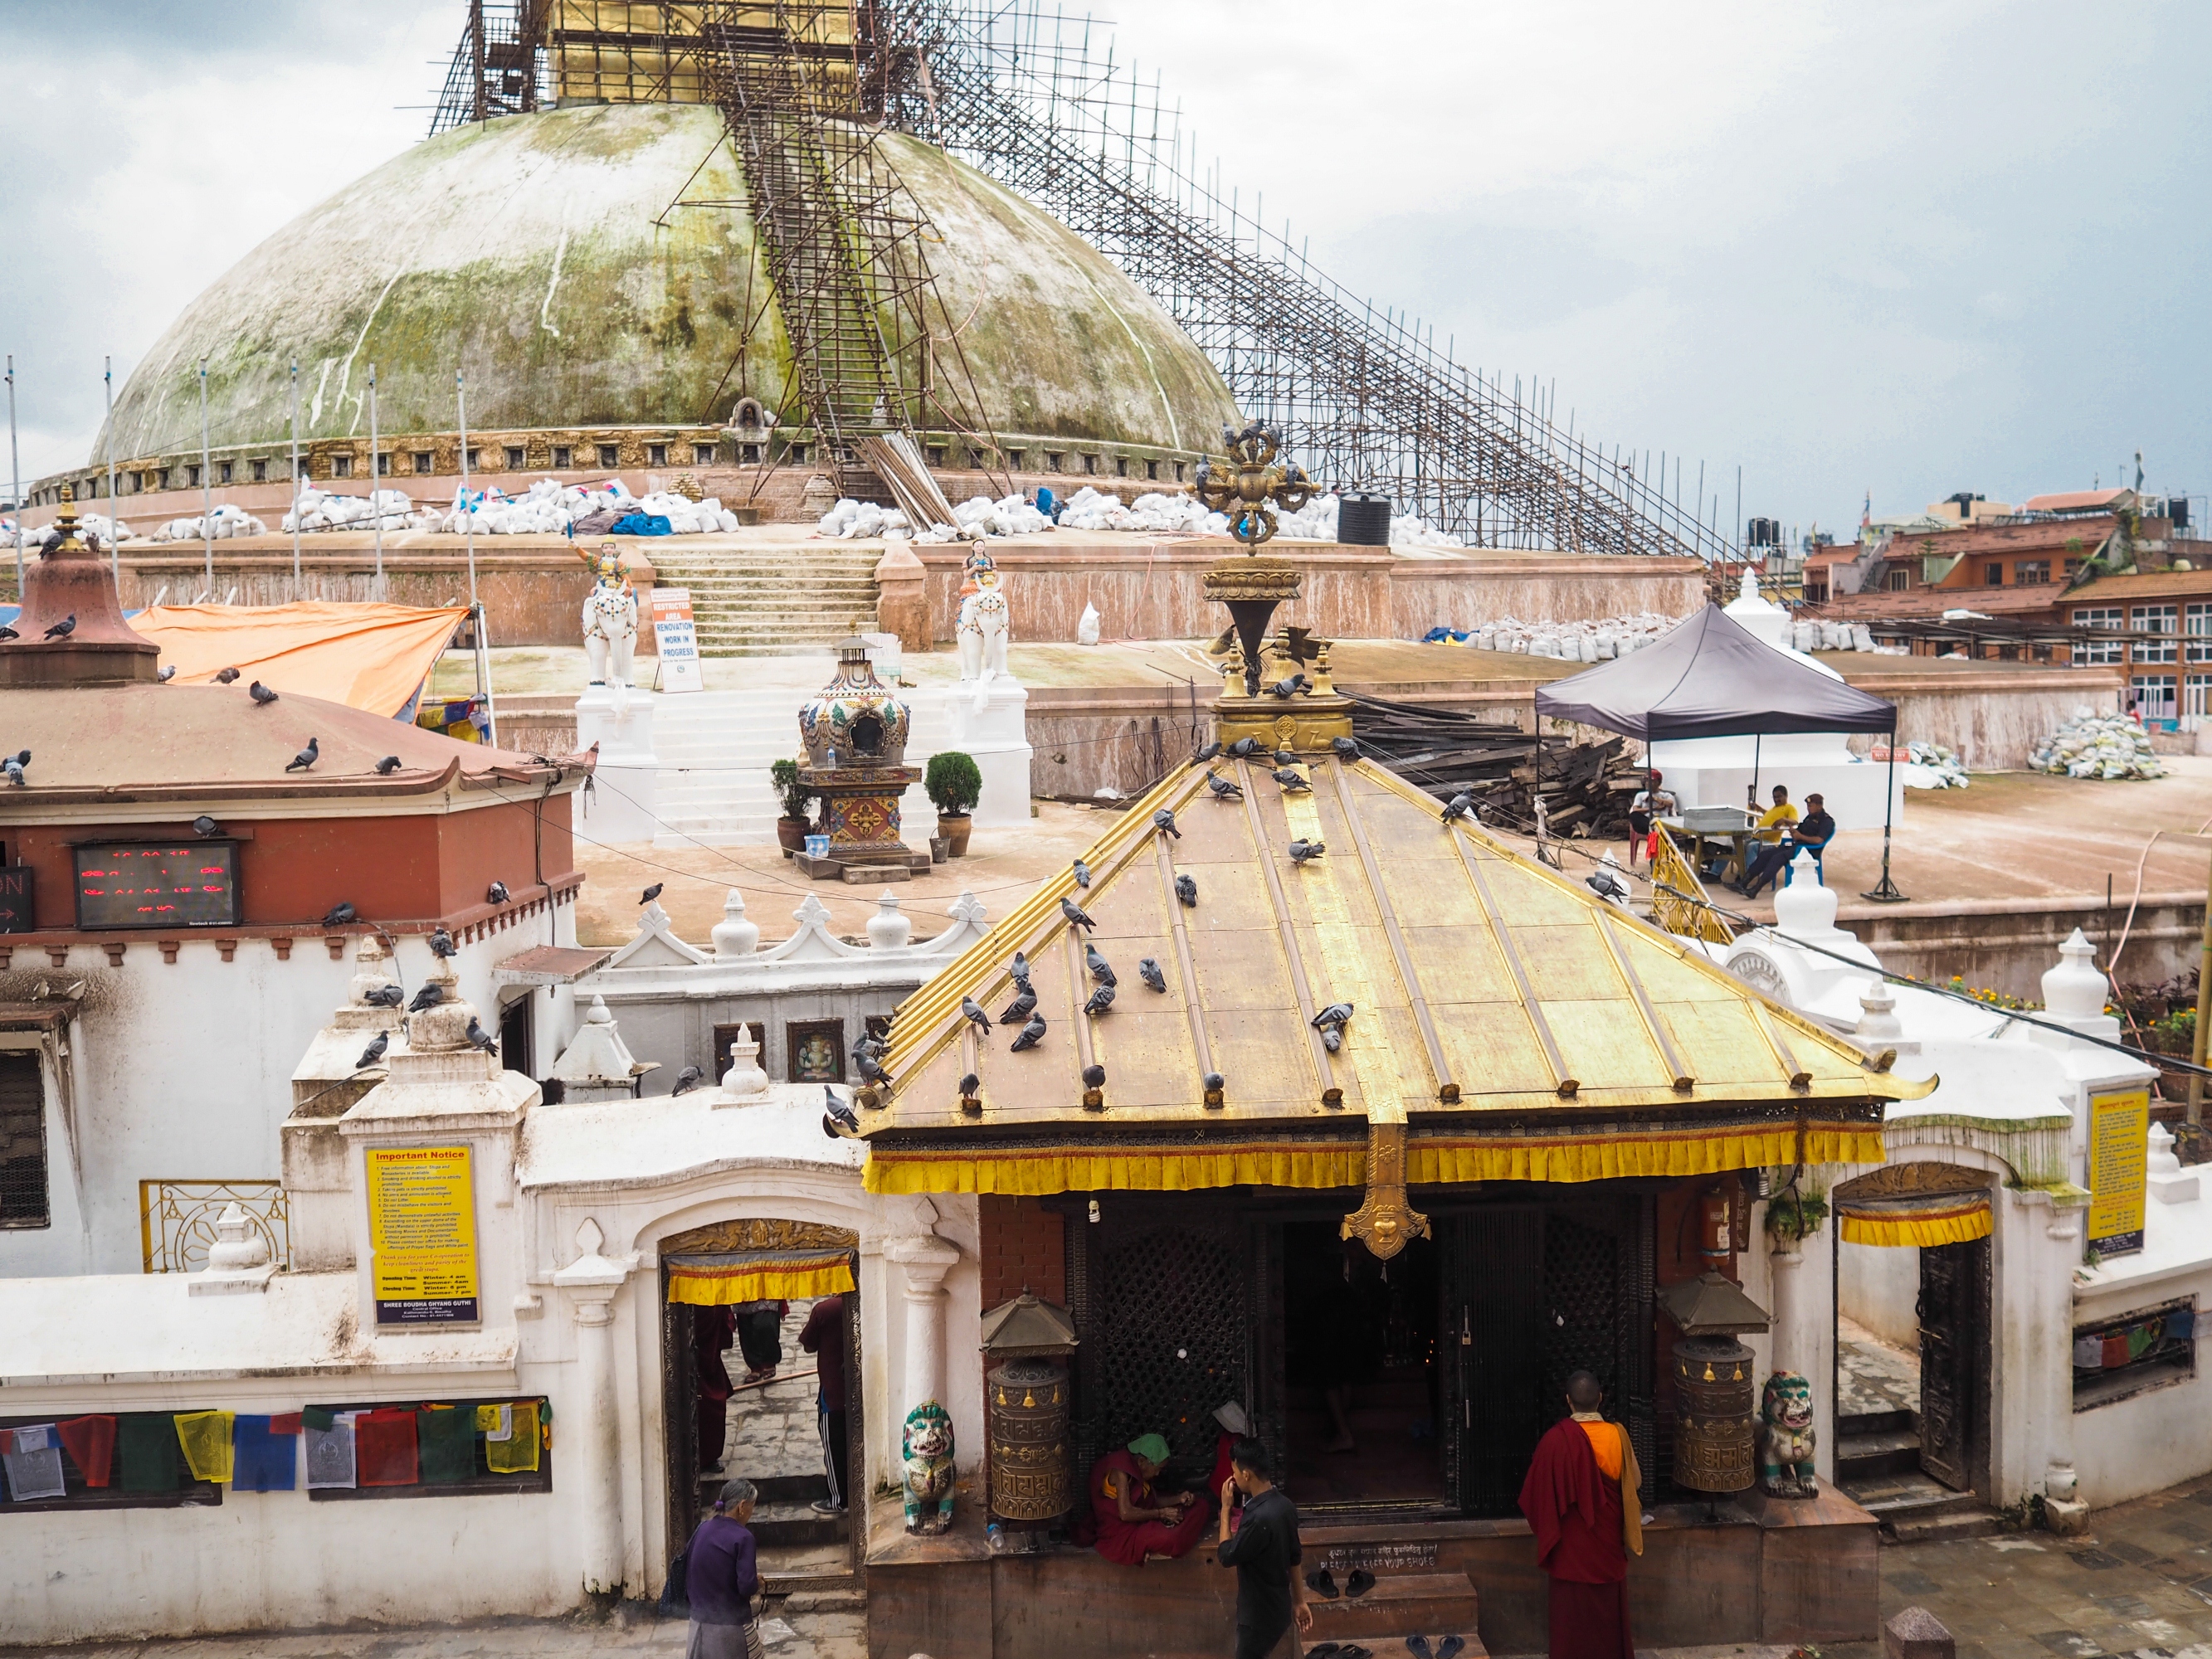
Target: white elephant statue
{"type": "Point", "coordinates": [983, 630]}
{"type": "Point", "coordinates": [610, 618]}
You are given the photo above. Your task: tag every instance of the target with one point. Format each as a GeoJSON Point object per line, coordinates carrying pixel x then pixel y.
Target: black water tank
{"type": "Point", "coordinates": [2177, 508]}
{"type": "Point", "coordinates": [1362, 519]}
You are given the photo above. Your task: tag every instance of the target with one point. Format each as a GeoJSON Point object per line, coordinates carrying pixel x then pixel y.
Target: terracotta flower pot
{"type": "Point", "coordinates": [791, 834]}
{"type": "Point", "coordinates": [955, 828]}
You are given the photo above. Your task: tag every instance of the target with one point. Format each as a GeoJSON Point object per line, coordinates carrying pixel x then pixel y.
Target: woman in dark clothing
{"type": "Point", "coordinates": [711, 1329]}
{"type": "Point", "coordinates": [720, 1579]}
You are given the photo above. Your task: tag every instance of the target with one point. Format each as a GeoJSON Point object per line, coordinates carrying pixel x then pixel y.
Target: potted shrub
{"type": "Point", "coordinates": [954, 786]}
{"type": "Point", "coordinates": [791, 828]}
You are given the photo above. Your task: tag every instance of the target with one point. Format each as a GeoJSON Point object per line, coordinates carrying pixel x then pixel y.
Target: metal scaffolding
{"type": "Point", "coordinates": [1365, 399]}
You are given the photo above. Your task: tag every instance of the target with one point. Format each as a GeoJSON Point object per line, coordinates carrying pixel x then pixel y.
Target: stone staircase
{"type": "Point", "coordinates": [1401, 1604]}
{"type": "Point", "coordinates": [768, 600]}
{"type": "Point", "coordinates": [1878, 1467]}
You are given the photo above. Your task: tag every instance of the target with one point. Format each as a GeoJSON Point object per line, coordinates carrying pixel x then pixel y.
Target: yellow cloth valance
{"type": "Point", "coordinates": [717, 1284]}
{"type": "Point", "coordinates": [1441, 1160]}
{"type": "Point", "coordinates": [1949, 1220]}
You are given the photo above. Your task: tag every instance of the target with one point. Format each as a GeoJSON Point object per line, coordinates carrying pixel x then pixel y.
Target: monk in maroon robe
{"type": "Point", "coordinates": [1581, 1497]}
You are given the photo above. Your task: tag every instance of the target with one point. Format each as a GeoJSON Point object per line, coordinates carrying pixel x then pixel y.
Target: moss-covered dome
{"type": "Point", "coordinates": [598, 266]}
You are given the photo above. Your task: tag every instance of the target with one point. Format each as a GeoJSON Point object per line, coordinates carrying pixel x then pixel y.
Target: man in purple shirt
{"type": "Point", "coordinates": [721, 1580]}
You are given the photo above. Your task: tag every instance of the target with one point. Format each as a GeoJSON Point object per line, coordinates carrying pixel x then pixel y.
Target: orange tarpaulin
{"type": "Point", "coordinates": [368, 656]}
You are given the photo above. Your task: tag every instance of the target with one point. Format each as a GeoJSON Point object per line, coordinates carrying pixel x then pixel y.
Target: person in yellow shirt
{"type": "Point", "coordinates": [1776, 821]}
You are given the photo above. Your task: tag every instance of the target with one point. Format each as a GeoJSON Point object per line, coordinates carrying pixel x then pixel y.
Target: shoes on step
{"type": "Point", "coordinates": [1323, 1585]}
{"type": "Point", "coordinates": [1418, 1647]}
{"type": "Point", "coordinates": [1326, 1650]}
{"type": "Point", "coordinates": [823, 1506]}
{"type": "Point", "coordinates": [1359, 1583]}
{"type": "Point", "coordinates": [1353, 1651]}
{"type": "Point", "coordinates": [1449, 1647]}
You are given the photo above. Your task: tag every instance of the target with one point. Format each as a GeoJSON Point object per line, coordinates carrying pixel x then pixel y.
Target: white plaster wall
{"type": "Point", "coordinates": [2156, 1439]}
{"type": "Point", "coordinates": [183, 1071]}
{"type": "Point", "coordinates": [1879, 1285]}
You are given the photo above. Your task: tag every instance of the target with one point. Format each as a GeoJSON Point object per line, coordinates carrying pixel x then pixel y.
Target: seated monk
{"type": "Point", "coordinates": [1134, 1523]}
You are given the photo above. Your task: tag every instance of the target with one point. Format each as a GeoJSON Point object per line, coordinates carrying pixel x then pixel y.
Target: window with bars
{"type": "Point", "coordinates": [2197, 631]}
{"type": "Point", "coordinates": [2032, 573]}
{"type": "Point", "coordinates": [22, 1142]}
{"type": "Point", "coordinates": [2159, 619]}
{"type": "Point", "coordinates": [702, 455]}
{"type": "Point", "coordinates": [2091, 652]}
{"type": "Point", "coordinates": [2155, 700]}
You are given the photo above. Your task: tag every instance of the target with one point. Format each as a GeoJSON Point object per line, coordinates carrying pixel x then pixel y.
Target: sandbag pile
{"type": "Point", "coordinates": [2093, 745]}
{"type": "Point", "coordinates": [320, 509]}
{"type": "Point", "coordinates": [223, 523]}
{"type": "Point", "coordinates": [549, 507]}
{"type": "Point", "coordinates": [91, 528]}
{"type": "Point", "coordinates": [1573, 641]}
{"type": "Point", "coordinates": [850, 519]}
{"type": "Point", "coordinates": [981, 516]}
{"type": "Point", "coordinates": [1930, 766]}
{"type": "Point", "coordinates": [1811, 634]}
{"type": "Point", "coordinates": [1316, 522]}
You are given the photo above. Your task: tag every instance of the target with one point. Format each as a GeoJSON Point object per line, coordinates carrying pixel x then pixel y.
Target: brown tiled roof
{"type": "Point", "coordinates": [1935, 601]}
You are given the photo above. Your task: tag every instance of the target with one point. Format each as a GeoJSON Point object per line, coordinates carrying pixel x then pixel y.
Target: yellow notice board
{"type": "Point", "coordinates": [423, 1236]}
{"type": "Point", "coordinates": [2119, 1124]}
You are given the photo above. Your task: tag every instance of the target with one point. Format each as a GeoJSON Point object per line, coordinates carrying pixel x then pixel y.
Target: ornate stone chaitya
{"type": "Point", "coordinates": [854, 732]}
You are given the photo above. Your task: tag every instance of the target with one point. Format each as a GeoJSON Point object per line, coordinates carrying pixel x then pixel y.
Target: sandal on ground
{"type": "Point", "coordinates": [1359, 1583]}
{"type": "Point", "coordinates": [1323, 1585]}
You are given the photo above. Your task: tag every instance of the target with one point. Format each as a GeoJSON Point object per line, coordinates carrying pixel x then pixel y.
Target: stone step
{"type": "Point", "coordinates": [850, 1598]}
{"type": "Point", "coordinates": [1392, 1646]}
{"type": "Point", "coordinates": [1978, 1522]}
{"type": "Point", "coordinates": [1876, 1423]}
{"type": "Point", "coordinates": [1889, 1451]}
{"type": "Point", "coordinates": [1434, 1603]}
{"type": "Point", "coordinates": [797, 1524]}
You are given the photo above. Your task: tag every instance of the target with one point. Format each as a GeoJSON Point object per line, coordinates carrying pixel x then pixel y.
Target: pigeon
{"type": "Point", "coordinates": [225, 676]}
{"type": "Point", "coordinates": [388, 765]}
{"type": "Point", "coordinates": [687, 1080]}
{"type": "Point", "coordinates": [865, 1064]}
{"type": "Point", "coordinates": [870, 1044]}
{"type": "Point", "coordinates": [1032, 1035]}
{"type": "Point", "coordinates": [1301, 850]}
{"type": "Point", "coordinates": [13, 768]}
{"type": "Point", "coordinates": [496, 893]}
{"type": "Point", "coordinates": [1606, 882]}
{"type": "Point", "coordinates": [1289, 688]}
{"type": "Point", "coordinates": [1223, 788]}
{"type": "Point", "coordinates": [1164, 819]}
{"type": "Point", "coordinates": [64, 629]}
{"type": "Point", "coordinates": [1244, 748]}
{"type": "Point", "coordinates": [374, 1052]}
{"type": "Point", "coordinates": [306, 757]}
{"type": "Point", "coordinates": [1102, 1000]}
{"type": "Point", "coordinates": [1019, 967]}
{"type": "Point", "coordinates": [1335, 1014]}
{"type": "Point", "coordinates": [385, 996]}
{"type": "Point", "coordinates": [480, 1038]}
{"type": "Point", "coordinates": [1149, 971]}
{"type": "Point", "coordinates": [969, 1085]}
{"type": "Point", "coordinates": [338, 914]}
{"type": "Point", "coordinates": [1209, 752]}
{"type": "Point", "coordinates": [972, 1011]}
{"type": "Point", "coordinates": [1075, 916]}
{"type": "Point", "coordinates": [1186, 890]}
{"type": "Point", "coordinates": [837, 1120]}
{"type": "Point", "coordinates": [1212, 1080]}
{"type": "Point", "coordinates": [205, 826]}
{"type": "Point", "coordinates": [9, 634]}
{"type": "Point", "coordinates": [1286, 757]}
{"type": "Point", "coordinates": [163, 677]}
{"type": "Point", "coordinates": [441, 943]}
{"type": "Point", "coordinates": [1021, 1007]}
{"type": "Point", "coordinates": [1459, 807]}
{"type": "Point", "coordinates": [1331, 1038]}
{"type": "Point", "coordinates": [430, 996]}
{"type": "Point", "coordinates": [651, 893]}
{"type": "Point", "coordinates": [1082, 873]}
{"type": "Point", "coordinates": [1094, 1077]}
{"type": "Point", "coordinates": [1293, 781]}
{"type": "Point", "coordinates": [1101, 970]}
{"type": "Point", "coordinates": [1347, 747]}
{"type": "Point", "coordinates": [260, 694]}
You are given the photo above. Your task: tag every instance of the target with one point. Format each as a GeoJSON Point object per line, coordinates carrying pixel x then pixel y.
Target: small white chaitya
{"type": "Point", "coordinates": [614, 715]}
{"type": "Point", "coordinates": [987, 716]}
{"type": "Point", "coordinates": [597, 1065]}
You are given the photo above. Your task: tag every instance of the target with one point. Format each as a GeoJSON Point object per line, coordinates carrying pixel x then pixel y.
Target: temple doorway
{"type": "Point", "coordinates": [743, 1397]}
{"type": "Point", "coordinates": [1362, 1393]}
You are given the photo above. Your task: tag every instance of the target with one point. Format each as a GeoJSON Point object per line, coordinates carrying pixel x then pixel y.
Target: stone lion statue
{"type": "Point", "coordinates": [1786, 1439]}
{"type": "Point", "coordinates": [926, 1453]}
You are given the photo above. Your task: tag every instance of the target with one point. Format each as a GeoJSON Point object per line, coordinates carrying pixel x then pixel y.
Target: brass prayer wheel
{"type": "Point", "coordinates": [1715, 1431]}
{"type": "Point", "coordinates": [1030, 1475]}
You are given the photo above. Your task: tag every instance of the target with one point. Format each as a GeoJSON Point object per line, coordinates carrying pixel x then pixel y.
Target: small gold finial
{"type": "Point", "coordinates": [65, 521]}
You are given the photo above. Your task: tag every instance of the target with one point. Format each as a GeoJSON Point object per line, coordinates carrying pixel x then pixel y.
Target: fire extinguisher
{"type": "Point", "coordinates": [1716, 1226]}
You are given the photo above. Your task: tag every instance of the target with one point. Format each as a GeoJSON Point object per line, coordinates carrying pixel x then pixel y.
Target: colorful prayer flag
{"type": "Point", "coordinates": [90, 1443]}
{"type": "Point", "coordinates": [384, 1448]}
{"type": "Point", "coordinates": [448, 1440]}
{"type": "Point", "coordinates": [518, 1454]}
{"type": "Point", "coordinates": [146, 1446]}
{"type": "Point", "coordinates": [32, 1461]}
{"type": "Point", "coordinates": [262, 1460]}
{"type": "Point", "coordinates": [205, 1438]}
{"type": "Point", "coordinates": [330, 1450]}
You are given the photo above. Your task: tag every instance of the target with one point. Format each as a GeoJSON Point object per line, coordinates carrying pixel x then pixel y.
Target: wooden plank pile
{"type": "Point", "coordinates": [1587, 786]}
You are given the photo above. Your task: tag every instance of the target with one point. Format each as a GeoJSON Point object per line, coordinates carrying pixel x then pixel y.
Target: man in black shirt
{"type": "Point", "coordinates": [1811, 834]}
{"type": "Point", "coordinates": [1264, 1550]}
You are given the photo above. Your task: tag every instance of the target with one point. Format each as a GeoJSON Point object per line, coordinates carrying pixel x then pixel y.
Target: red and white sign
{"type": "Point", "coordinates": [676, 639]}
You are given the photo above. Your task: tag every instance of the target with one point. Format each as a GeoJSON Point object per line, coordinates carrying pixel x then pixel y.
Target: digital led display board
{"type": "Point", "coordinates": [157, 884]}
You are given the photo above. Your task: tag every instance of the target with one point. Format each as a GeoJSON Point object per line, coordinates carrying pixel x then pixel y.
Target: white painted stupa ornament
{"type": "Point", "coordinates": [2167, 1182]}
{"type": "Point", "coordinates": [744, 1083]}
{"type": "Point", "coordinates": [1879, 1027]}
{"type": "Point", "coordinates": [1761, 617]}
{"type": "Point", "coordinates": [597, 1064]}
{"type": "Point", "coordinates": [890, 926]}
{"type": "Point", "coordinates": [733, 937]}
{"type": "Point", "coordinates": [369, 974]}
{"type": "Point", "coordinates": [239, 1260]}
{"type": "Point", "coordinates": [2074, 989]}
{"type": "Point", "coordinates": [1805, 909]}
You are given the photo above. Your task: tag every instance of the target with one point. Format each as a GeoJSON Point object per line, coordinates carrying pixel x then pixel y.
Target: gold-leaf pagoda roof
{"type": "Point", "coordinates": [1516, 1022]}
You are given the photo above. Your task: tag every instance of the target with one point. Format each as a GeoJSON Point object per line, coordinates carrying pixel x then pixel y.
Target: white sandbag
{"type": "Point", "coordinates": [1086, 629]}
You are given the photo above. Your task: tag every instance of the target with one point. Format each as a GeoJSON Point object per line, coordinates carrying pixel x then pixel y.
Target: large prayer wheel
{"type": "Point", "coordinates": [1029, 1476]}
{"type": "Point", "coordinates": [1715, 1430]}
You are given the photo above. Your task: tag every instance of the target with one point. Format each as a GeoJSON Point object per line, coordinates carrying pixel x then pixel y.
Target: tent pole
{"type": "Point", "coordinates": [1884, 891]}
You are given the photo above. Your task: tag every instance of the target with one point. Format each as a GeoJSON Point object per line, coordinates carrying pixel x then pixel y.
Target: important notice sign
{"type": "Point", "coordinates": [676, 636]}
{"type": "Point", "coordinates": [423, 1236]}
{"type": "Point", "coordinates": [2119, 1124]}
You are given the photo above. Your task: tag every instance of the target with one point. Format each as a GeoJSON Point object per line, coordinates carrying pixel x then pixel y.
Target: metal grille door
{"type": "Point", "coordinates": [22, 1142]}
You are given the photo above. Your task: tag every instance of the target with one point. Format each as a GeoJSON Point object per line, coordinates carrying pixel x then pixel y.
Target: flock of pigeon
{"type": "Point", "coordinates": [432, 994]}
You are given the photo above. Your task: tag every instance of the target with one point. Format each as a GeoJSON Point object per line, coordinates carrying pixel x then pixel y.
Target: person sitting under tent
{"type": "Point", "coordinates": [1136, 1524]}
{"type": "Point", "coordinates": [1651, 804]}
{"type": "Point", "coordinates": [1773, 829]}
{"type": "Point", "coordinates": [1812, 834]}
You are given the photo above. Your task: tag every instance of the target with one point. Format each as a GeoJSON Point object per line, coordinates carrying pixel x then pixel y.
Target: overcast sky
{"type": "Point", "coordinates": [1911, 248]}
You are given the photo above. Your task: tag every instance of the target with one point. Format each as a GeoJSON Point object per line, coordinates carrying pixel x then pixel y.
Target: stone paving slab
{"type": "Point", "coordinates": [797, 1635]}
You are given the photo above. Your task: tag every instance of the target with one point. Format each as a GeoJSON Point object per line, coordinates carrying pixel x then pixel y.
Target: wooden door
{"type": "Point", "coordinates": [1494, 1329]}
{"type": "Point", "coordinates": [1954, 1310]}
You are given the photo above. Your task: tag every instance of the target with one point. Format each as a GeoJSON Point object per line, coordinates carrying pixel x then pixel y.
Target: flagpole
{"type": "Point", "coordinates": [295, 480]}
{"type": "Point", "coordinates": [15, 462]}
{"type": "Point", "coordinates": [375, 472]}
{"type": "Point", "coordinates": [468, 522]}
{"type": "Point", "coordinates": [114, 522]}
{"type": "Point", "coordinates": [207, 486]}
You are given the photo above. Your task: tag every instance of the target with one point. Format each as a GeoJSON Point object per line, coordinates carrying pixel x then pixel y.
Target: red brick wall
{"type": "Point", "coordinates": [1023, 1246]}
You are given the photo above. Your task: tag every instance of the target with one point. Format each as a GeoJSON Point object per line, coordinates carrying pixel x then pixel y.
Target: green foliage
{"type": "Point", "coordinates": [1995, 998]}
{"type": "Point", "coordinates": [783, 778]}
{"type": "Point", "coordinates": [953, 783]}
{"type": "Point", "coordinates": [1791, 1217]}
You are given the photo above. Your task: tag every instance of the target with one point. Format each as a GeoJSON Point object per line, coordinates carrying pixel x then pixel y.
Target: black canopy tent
{"type": "Point", "coordinates": [1710, 677]}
